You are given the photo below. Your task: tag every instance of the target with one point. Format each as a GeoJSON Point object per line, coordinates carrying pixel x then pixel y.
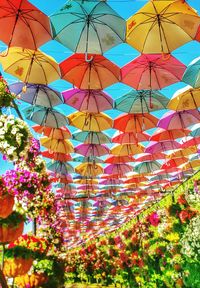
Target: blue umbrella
{"type": "Point", "coordinates": [91, 159]}
{"type": "Point", "coordinates": [90, 26]}
{"type": "Point", "coordinates": [195, 131]}
{"type": "Point", "coordinates": [59, 167]}
{"type": "Point", "coordinates": [90, 137]}
{"type": "Point", "coordinates": [192, 73]}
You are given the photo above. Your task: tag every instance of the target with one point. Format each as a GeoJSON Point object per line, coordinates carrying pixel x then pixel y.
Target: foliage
{"type": "Point", "coordinates": [6, 97]}
{"type": "Point", "coordinates": [14, 219]}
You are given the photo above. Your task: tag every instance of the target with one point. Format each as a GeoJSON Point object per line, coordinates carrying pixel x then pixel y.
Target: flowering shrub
{"type": "Point", "coordinates": [6, 97]}
{"type": "Point", "coordinates": [14, 137]}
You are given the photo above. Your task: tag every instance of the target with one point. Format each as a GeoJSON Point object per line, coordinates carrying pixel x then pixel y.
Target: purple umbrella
{"type": "Point", "coordinates": [92, 150]}
{"type": "Point", "coordinates": [179, 120]}
{"type": "Point", "coordinates": [37, 94]}
{"type": "Point", "coordinates": [91, 101]}
{"type": "Point", "coordinates": [157, 147]}
{"type": "Point", "coordinates": [119, 169]}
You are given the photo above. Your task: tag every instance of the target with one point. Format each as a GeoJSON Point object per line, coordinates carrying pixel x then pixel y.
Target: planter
{"type": "Point", "coordinates": [14, 267]}
{"type": "Point", "coordinates": [10, 233]}
{"type": "Point", "coordinates": [6, 206]}
{"type": "Point", "coordinates": [33, 280]}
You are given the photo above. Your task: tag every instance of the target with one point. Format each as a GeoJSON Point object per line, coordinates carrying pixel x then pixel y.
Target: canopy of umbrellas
{"type": "Point", "coordinates": [106, 180]}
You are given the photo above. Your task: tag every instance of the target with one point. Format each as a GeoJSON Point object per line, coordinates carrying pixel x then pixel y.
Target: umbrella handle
{"type": "Point", "coordinates": [166, 56]}
{"type": "Point", "coordinates": [88, 59]}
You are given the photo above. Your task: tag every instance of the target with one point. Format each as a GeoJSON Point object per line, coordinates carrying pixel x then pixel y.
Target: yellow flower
{"type": "Point", "coordinates": [173, 237]}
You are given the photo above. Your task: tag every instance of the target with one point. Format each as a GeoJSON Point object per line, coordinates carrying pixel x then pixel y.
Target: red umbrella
{"type": "Point", "coordinates": [135, 180]}
{"type": "Point", "coordinates": [119, 159]}
{"type": "Point", "coordinates": [173, 163]}
{"type": "Point", "coordinates": [23, 25]}
{"type": "Point", "coordinates": [57, 156]}
{"type": "Point", "coordinates": [126, 138]}
{"type": "Point", "coordinates": [98, 73]}
{"type": "Point", "coordinates": [135, 122]}
{"type": "Point", "coordinates": [144, 157]}
{"type": "Point", "coordinates": [162, 135]}
{"type": "Point", "coordinates": [92, 150]}
{"type": "Point", "coordinates": [191, 142]}
{"type": "Point", "coordinates": [152, 71]}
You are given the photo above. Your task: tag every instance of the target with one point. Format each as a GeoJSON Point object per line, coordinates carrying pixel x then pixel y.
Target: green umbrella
{"type": "Point", "coordinates": [147, 167]}
{"type": "Point", "coordinates": [90, 137]}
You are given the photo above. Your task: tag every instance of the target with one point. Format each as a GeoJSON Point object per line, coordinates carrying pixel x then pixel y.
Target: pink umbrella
{"type": "Point", "coordinates": [92, 150]}
{"type": "Point", "coordinates": [119, 169]}
{"type": "Point", "coordinates": [191, 142]}
{"type": "Point", "coordinates": [157, 147]}
{"type": "Point", "coordinates": [111, 182]}
{"type": "Point", "coordinates": [87, 187]}
{"type": "Point", "coordinates": [152, 71]}
{"type": "Point", "coordinates": [125, 137]}
{"type": "Point", "coordinates": [179, 120]}
{"type": "Point", "coordinates": [144, 157]}
{"type": "Point", "coordinates": [91, 101]}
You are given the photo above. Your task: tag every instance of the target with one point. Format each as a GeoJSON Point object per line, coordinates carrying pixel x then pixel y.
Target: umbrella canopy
{"type": "Point", "coordinates": [174, 163]}
{"type": "Point", "coordinates": [23, 25]}
{"type": "Point", "coordinates": [62, 157]}
{"type": "Point", "coordinates": [192, 73]}
{"type": "Point", "coordinates": [191, 165]}
{"type": "Point", "coordinates": [56, 133]}
{"type": "Point", "coordinates": [144, 157]}
{"type": "Point", "coordinates": [191, 142]}
{"type": "Point", "coordinates": [147, 167]}
{"type": "Point", "coordinates": [119, 169]}
{"type": "Point", "coordinates": [195, 130]}
{"type": "Point", "coordinates": [89, 169]}
{"type": "Point", "coordinates": [162, 26]}
{"type": "Point", "coordinates": [141, 101]}
{"type": "Point", "coordinates": [162, 135]}
{"type": "Point", "coordinates": [119, 159]}
{"type": "Point", "coordinates": [157, 147]}
{"type": "Point", "coordinates": [183, 152]}
{"type": "Point", "coordinates": [59, 167]}
{"type": "Point", "coordinates": [152, 71]}
{"type": "Point", "coordinates": [37, 94]}
{"type": "Point", "coordinates": [30, 66]}
{"type": "Point", "coordinates": [135, 122]}
{"type": "Point", "coordinates": [92, 150]}
{"type": "Point", "coordinates": [88, 181]}
{"type": "Point", "coordinates": [91, 27]}
{"type": "Point", "coordinates": [88, 159]}
{"type": "Point", "coordinates": [185, 99]}
{"type": "Point", "coordinates": [98, 73]}
{"type": "Point", "coordinates": [59, 146]}
{"type": "Point", "coordinates": [130, 138]}
{"type": "Point", "coordinates": [126, 149]}
{"type": "Point", "coordinates": [90, 121]}
{"type": "Point", "coordinates": [135, 180]}
{"type": "Point", "coordinates": [179, 120]}
{"type": "Point", "coordinates": [90, 137]}
{"type": "Point", "coordinates": [45, 116]}
{"type": "Point", "coordinates": [91, 101]}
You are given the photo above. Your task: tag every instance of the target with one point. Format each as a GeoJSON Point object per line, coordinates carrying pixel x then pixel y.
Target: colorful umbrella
{"type": "Point", "coordinates": [191, 142]}
{"type": "Point", "coordinates": [152, 71]}
{"type": "Point", "coordinates": [135, 122]}
{"type": "Point", "coordinates": [89, 169]}
{"type": "Point", "coordinates": [45, 116]}
{"type": "Point", "coordinates": [144, 157]}
{"type": "Point", "coordinates": [57, 156]}
{"type": "Point", "coordinates": [89, 159]}
{"type": "Point", "coordinates": [162, 26]}
{"type": "Point", "coordinates": [192, 73]}
{"type": "Point", "coordinates": [163, 135]}
{"type": "Point", "coordinates": [130, 138]}
{"type": "Point", "coordinates": [88, 181]}
{"type": "Point", "coordinates": [59, 167]}
{"type": "Point", "coordinates": [179, 120]}
{"type": "Point", "coordinates": [183, 152]}
{"type": "Point", "coordinates": [91, 27]}
{"type": "Point", "coordinates": [91, 137]}
{"type": "Point", "coordinates": [135, 180]}
{"type": "Point", "coordinates": [119, 169]}
{"type": "Point", "coordinates": [37, 94]}
{"type": "Point", "coordinates": [90, 121]}
{"type": "Point", "coordinates": [119, 159]}
{"type": "Point", "coordinates": [185, 99]}
{"type": "Point", "coordinates": [195, 130]}
{"type": "Point", "coordinates": [141, 101]}
{"type": "Point", "coordinates": [98, 73]}
{"type": "Point", "coordinates": [111, 182]}
{"type": "Point", "coordinates": [126, 149]}
{"type": "Point", "coordinates": [59, 146]}
{"type": "Point", "coordinates": [192, 164]}
{"type": "Point", "coordinates": [30, 66]}
{"type": "Point", "coordinates": [157, 147]}
{"type": "Point", "coordinates": [92, 101]}
{"type": "Point", "coordinates": [23, 25]}
{"type": "Point", "coordinates": [147, 167]}
{"type": "Point", "coordinates": [174, 163]}
{"type": "Point", "coordinates": [92, 150]}
{"type": "Point", "coordinates": [56, 133]}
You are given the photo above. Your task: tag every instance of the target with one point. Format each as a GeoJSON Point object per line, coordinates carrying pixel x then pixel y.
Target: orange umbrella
{"type": "Point", "coordinates": [135, 180]}
{"type": "Point", "coordinates": [123, 138]}
{"type": "Point", "coordinates": [126, 149]}
{"type": "Point", "coordinates": [135, 122]}
{"type": "Point", "coordinates": [174, 163]}
{"type": "Point", "coordinates": [119, 159]}
{"type": "Point", "coordinates": [162, 135]}
{"type": "Point", "coordinates": [96, 73]}
{"type": "Point", "coordinates": [150, 157]}
{"type": "Point", "coordinates": [57, 156]}
{"type": "Point", "coordinates": [56, 133]}
{"type": "Point", "coordinates": [183, 152]}
{"type": "Point", "coordinates": [191, 165]}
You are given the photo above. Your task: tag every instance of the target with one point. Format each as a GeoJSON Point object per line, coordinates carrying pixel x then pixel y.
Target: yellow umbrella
{"type": "Point", "coordinates": [30, 66]}
{"type": "Point", "coordinates": [162, 26]}
{"type": "Point", "coordinates": [185, 99]}
{"type": "Point", "coordinates": [183, 152]}
{"type": "Point", "coordinates": [95, 122]}
{"type": "Point", "coordinates": [127, 149]}
{"type": "Point", "coordinates": [55, 145]}
{"type": "Point", "coordinates": [191, 165]}
{"type": "Point", "coordinates": [89, 169]}
{"type": "Point", "coordinates": [88, 181]}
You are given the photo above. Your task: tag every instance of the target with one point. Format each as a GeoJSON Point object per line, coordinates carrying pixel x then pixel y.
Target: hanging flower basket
{"type": "Point", "coordinates": [18, 266]}
{"type": "Point", "coordinates": [6, 205]}
{"type": "Point", "coordinates": [33, 280]}
{"type": "Point", "coordinates": [11, 227]}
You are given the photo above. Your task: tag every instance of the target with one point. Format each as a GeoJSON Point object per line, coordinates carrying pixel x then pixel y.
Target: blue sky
{"type": "Point", "coordinates": [121, 55]}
